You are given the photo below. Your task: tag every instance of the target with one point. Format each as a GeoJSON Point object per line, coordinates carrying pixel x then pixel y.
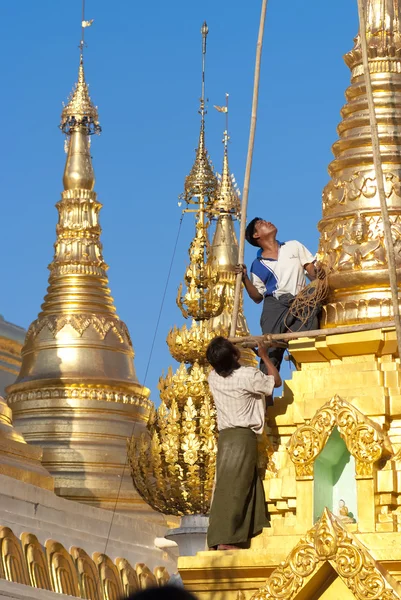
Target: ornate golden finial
{"type": "Point", "coordinates": [227, 198]}
{"type": "Point", "coordinates": [80, 112]}
{"type": "Point", "coordinates": [351, 231]}
{"type": "Point", "coordinates": [202, 299]}
{"type": "Point", "coordinates": [383, 37]}
{"type": "Point", "coordinates": [201, 181]}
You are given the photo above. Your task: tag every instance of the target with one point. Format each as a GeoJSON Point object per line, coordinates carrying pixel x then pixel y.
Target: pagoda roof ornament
{"type": "Point", "coordinates": [80, 109]}
{"type": "Point", "coordinates": [227, 197]}
{"type": "Point", "coordinates": [201, 180]}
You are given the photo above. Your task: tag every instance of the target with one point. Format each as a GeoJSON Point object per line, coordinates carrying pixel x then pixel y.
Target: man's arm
{"type": "Point", "coordinates": [250, 288]}
{"type": "Point", "coordinates": [310, 268]}
{"type": "Point", "coordinates": [271, 369]}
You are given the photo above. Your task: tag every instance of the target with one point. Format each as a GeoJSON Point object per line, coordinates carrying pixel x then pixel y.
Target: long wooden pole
{"type": "Point", "coordinates": [392, 269]}
{"type": "Point", "coordinates": [253, 340]}
{"type": "Point", "coordinates": [251, 143]}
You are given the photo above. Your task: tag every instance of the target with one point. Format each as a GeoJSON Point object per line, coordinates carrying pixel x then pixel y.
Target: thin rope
{"type": "Point", "coordinates": [392, 269]}
{"type": "Point", "coordinates": [146, 372]}
{"type": "Point", "coordinates": [247, 178]}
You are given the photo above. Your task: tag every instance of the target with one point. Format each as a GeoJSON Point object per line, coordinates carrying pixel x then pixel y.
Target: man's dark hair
{"type": "Point", "coordinates": [165, 592]}
{"type": "Point", "coordinates": [250, 230]}
{"type": "Point", "coordinates": [223, 356]}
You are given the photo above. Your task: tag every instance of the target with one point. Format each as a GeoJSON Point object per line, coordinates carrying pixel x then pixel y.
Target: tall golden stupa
{"type": "Point", "coordinates": [333, 478]}
{"type": "Point", "coordinates": [77, 395]}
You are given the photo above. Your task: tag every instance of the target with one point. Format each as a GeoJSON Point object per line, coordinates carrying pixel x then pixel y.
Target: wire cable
{"type": "Point", "coordinates": [146, 372]}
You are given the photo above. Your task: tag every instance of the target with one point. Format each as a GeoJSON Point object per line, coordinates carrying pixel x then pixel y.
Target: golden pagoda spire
{"type": "Point", "coordinates": [77, 375]}
{"type": "Point", "coordinates": [352, 239]}
{"type": "Point", "coordinates": [201, 180]}
{"type": "Point", "coordinates": [226, 207]}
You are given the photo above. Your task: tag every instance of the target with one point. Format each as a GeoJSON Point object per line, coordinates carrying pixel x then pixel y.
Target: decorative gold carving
{"type": "Point", "coordinates": [203, 299]}
{"type": "Point", "coordinates": [74, 574]}
{"type": "Point", "coordinates": [201, 180]}
{"type": "Point", "coordinates": [36, 561]}
{"type": "Point", "coordinates": [109, 577]}
{"type": "Point", "coordinates": [189, 345]}
{"type": "Point", "coordinates": [227, 197]}
{"type": "Point", "coordinates": [80, 323]}
{"type": "Point", "coordinates": [80, 109]}
{"type": "Point", "coordinates": [329, 541]}
{"type": "Point", "coordinates": [62, 570]}
{"type": "Point", "coordinates": [173, 464]}
{"type": "Point", "coordinates": [129, 578]}
{"type": "Point", "coordinates": [145, 576]}
{"type": "Point", "coordinates": [88, 577]}
{"type": "Point", "coordinates": [365, 440]}
{"type": "Point", "coordinates": [12, 558]}
{"type": "Point", "coordinates": [84, 393]}
{"type": "Point", "coordinates": [358, 243]}
{"type": "Point", "coordinates": [183, 384]}
{"type": "Point", "coordinates": [362, 183]}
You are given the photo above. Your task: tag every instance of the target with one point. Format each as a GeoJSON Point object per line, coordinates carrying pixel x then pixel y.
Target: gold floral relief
{"type": "Point", "coordinates": [329, 541]}
{"type": "Point", "coordinates": [36, 561]}
{"type": "Point", "coordinates": [364, 439]}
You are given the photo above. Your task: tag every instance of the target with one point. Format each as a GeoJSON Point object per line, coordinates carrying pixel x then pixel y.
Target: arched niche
{"type": "Point", "coordinates": [334, 478]}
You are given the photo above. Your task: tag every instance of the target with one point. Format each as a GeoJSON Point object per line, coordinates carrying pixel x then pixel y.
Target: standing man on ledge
{"type": "Point", "coordinates": [277, 276]}
{"type": "Point", "coordinates": [238, 510]}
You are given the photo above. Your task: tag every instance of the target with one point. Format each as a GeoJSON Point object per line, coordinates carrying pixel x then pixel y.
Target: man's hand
{"type": "Point", "coordinates": [262, 350]}
{"type": "Point", "coordinates": [271, 369]}
{"type": "Point", "coordinates": [250, 288]}
{"type": "Point", "coordinates": [241, 269]}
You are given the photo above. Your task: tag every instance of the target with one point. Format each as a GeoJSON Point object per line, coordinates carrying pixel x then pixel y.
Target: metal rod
{"type": "Point", "coordinates": [392, 269]}
{"type": "Point", "coordinates": [251, 143]}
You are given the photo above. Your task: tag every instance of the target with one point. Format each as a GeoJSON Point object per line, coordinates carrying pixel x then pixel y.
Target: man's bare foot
{"type": "Point", "coordinates": [228, 547]}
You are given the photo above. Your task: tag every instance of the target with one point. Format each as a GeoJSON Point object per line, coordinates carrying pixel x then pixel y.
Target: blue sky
{"type": "Point", "coordinates": [143, 66]}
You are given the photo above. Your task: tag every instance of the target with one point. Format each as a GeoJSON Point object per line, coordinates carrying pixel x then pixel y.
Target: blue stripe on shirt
{"type": "Point", "coordinates": [266, 275]}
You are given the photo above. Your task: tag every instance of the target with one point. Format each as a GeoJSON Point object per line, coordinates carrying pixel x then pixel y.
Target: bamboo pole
{"type": "Point", "coordinates": [392, 269]}
{"type": "Point", "coordinates": [251, 143]}
{"type": "Point", "coordinates": [253, 340]}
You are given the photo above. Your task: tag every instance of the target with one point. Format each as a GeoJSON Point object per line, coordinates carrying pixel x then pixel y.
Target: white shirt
{"type": "Point", "coordinates": [286, 275]}
{"type": "Point", "coordinates": [240, 398]}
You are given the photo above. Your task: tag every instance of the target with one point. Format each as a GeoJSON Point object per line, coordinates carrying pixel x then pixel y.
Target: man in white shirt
{"type": "Point", "coordinates": [277, 275]}
{"type": "Point", "coordinates": [238, 510]}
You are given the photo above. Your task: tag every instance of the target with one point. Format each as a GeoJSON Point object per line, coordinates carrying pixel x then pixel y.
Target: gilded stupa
{"type": "Point", "coordinates": [333, 475]}
{"type": "Point", "coordinates": [77, 395]}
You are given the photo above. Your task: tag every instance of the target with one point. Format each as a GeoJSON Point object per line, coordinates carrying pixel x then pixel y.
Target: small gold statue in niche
{"type": "Point", "coordinates": [343, 513]}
